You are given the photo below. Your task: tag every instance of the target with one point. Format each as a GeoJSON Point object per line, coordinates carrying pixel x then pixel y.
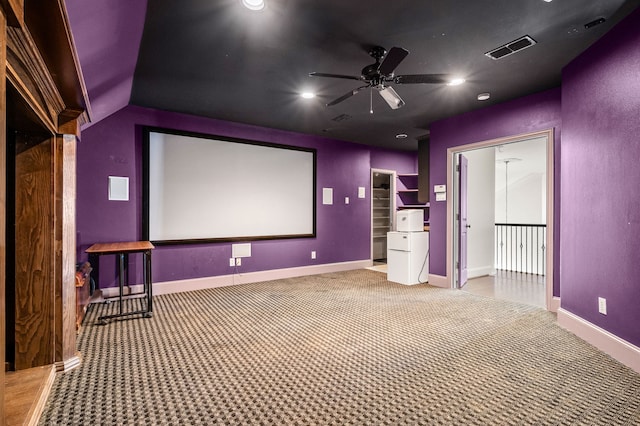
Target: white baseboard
{"type": "Point", "coordinates": [482, 271]}
{"type": "Point", "coordinates": [554, 304]}
{"type": "Point", "coordinates": [439, 281]}
{"type": "Point", "coordinates": [621, 350]}
{"type": "Point", "coordinates": [178, 286]}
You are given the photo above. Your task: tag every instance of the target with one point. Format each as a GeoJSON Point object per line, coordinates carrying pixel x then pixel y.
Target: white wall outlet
{"type": "Point", "coordinates": [346, 200]}
{"type": "Point", "coordinates": [238, 261]}
{"type": "Point", "coordinates": [232, 261]}
{"type": "Point", "coordinates": [313, 254]}
{"type": "Point", "coordinates": [602, 305]}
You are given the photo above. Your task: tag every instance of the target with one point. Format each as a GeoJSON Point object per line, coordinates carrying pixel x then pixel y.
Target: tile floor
{"type": "Point", "coordinates": [514, 286]}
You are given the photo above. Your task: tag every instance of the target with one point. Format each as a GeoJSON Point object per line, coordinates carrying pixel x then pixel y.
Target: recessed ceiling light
{"type": "Point", "coordinates": [308, 95]}
{"type": "Point", "coordinates": [456, 82]}
{"type": "Point", "coordinates": [401, 136]}
{"type": "Point", "coordinates": [484, 96]}
{"type": "Point", "coordinates": [548, 1]}
{"type": "Point", "coordinates": [253, 4]}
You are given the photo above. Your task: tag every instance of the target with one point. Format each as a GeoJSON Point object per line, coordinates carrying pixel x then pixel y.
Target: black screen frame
{"type": "Point", "coordinates": [147, 130]}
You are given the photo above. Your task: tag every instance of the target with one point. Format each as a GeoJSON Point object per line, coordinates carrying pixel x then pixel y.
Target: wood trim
{"type": "Point", "coordinates": [619, 349]}
{"type": "Point", "coordinates": [28, 73]}
{"type": "Point", "coordinates": [81, 115]}
{"type": "Point", "coordinates": [14, 11]}
{"type": "Point", "coordinates": [3, 207]}
{"type": "Point", "coordinates": [29, 390]}
{"type": "Point", "coordinates": [65, 247]}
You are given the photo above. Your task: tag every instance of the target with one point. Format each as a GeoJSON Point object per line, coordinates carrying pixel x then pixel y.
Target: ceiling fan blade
{"type": "Point", "coordinates": [392, 60]}
{"type": "Point", "coordinates": [346, 96]}
{"type": "Point", "coordinates": [422, 79]}
{"type": "Point", "coordinates": [322, 74]}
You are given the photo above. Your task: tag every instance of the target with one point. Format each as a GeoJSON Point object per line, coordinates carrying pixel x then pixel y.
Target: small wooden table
{"type": "Point", "coordinates": [122, 251]}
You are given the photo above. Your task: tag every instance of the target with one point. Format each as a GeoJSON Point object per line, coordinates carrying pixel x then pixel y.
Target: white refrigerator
{"type": "Point", "coordinates": [407, 253]}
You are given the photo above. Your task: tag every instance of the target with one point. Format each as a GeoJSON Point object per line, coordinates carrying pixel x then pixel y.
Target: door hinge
{"type": "Point", "coordinates": [457, 265]}
{"type": "Point", "coordinates": [457, 216]}
{"type": "Point", "coordinates": [457, 167]}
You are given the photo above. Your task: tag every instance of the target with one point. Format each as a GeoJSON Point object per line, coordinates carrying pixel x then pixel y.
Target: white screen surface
{"type": "Point", "coordinates": [201, 188]}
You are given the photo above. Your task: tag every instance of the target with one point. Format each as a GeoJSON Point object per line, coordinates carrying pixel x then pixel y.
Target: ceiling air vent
{"type": "Point", "coordinates": [511, 47]}
{"type": "Point", "coordinates": [341, 117]}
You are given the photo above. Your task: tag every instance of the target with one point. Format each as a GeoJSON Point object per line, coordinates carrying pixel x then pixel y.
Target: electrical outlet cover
{"type": "Point", "coordinates": [602, 305]}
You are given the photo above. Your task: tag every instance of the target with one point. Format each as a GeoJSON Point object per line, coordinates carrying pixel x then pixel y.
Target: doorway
{"type": "Point", "coordinates": [453, 224]}
{"type": "Point", "coordinates": [383, 206]}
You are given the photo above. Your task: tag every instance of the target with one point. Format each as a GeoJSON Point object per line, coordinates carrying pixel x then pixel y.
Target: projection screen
{"type": "Point", "coordinates": [200, 188]}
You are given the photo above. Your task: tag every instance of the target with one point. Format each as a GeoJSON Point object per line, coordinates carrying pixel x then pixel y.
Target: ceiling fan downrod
{"type": "Point", "coordinates": [370, 100]}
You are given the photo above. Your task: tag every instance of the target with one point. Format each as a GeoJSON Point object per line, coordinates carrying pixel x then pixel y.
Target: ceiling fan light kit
{"type": "Point", "coordinates": [388, 94]}
{"type": "Point", "coordinates": [380, 75]}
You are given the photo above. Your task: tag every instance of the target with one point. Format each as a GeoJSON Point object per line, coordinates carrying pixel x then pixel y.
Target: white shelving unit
{"type": "Point", "coordinates": [381, 221]}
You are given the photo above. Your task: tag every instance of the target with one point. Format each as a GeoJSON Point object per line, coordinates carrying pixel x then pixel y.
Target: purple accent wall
{"type": "Point", "coordinates": [109, 34]}
{"type": "Point", "coordinates": [113, 147]}
{"type": "Point", "coordinates": [600, 180]}
{"type": "Point", "coordinates": [537, 112]}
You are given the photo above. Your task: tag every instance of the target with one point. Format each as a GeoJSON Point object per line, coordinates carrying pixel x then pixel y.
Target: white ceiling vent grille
{"type": "Point", "coordinates": [511, 47]}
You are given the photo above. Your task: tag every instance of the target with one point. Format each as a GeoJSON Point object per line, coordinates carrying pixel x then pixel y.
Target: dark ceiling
{"type": "Point", "coordinates": [215, 58]}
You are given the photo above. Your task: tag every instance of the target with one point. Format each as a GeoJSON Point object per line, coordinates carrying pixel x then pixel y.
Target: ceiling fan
{"type": "Point", "coordinates": [380, 74]}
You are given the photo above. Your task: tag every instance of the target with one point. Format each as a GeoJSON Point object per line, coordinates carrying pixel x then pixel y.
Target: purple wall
{"type": "Point", "coordinates": [107, 36]}
{"type": "Point", "coordinates": [600, 180]}
{"type": "Point", "coordinates": [532, 113]}
{"type": "Point", "coordinates": [113, 148]}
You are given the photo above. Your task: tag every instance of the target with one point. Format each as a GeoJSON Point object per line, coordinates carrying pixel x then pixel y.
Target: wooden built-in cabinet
{"type": "Point", "coordinates": [43, 102]}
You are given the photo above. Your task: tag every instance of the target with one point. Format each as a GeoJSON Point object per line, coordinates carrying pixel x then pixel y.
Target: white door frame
{"type": "Point", "coordinates": [392, 203]}
{"type": "Point", "coordinates": [552, 303]}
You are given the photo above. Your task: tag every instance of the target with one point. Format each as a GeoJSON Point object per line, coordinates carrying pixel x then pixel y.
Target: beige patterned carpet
{"type": "Point", "coordinates": [344, 348]}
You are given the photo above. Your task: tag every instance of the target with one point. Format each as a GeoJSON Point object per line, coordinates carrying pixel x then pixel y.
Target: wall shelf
{"type": "Point", "coordinates": [408, 195]}
{"type": "Point", "coordinates": [381, 215]}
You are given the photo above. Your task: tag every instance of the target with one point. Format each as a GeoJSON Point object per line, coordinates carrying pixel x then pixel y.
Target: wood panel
{"type": "Point", "coordinates": [29, 390]}
{"type": "Point", "coordinates": [3, 205]}
{"type": "Point", "coordinates": [14, 11]}
{"type": "Point", "coordinates": [34, 280]}
{"type": "Point", "coordinates": [65, 252]}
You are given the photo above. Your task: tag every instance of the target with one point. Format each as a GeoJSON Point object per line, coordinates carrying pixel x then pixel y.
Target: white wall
{"type": "Point", "coordinates": [481, 212]}
{"type": "Point", "coordinates": [526, 173]}
{"type": "Point", "coordinates": [527, 202]}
